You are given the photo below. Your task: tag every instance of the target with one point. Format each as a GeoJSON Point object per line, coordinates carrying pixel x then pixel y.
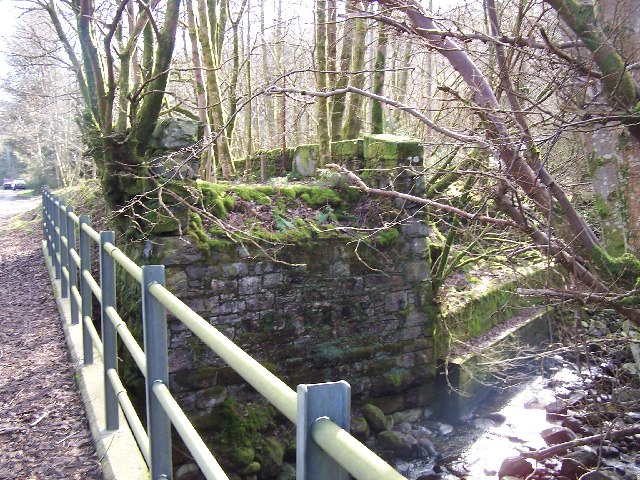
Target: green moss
{"type": "Point", "coordinates": [347, 148]}
{"type": "Point", "coordinates": [240, 425]}
{"type": "Point", "coordinates": [614, 240]}
{"type": "Point", "coordinates": [328, 352]}
{"type": "Point", "coordinates": [632, 301]}
{"type": "Point", "coordinates": [396, 376]}
{"type": "Point", "coordinates": [391, 148]}
{"type": "Point", "coordinates": [625, 267]}
{"type": "Point", "coordinates": [258, 194]}
{"type": "Point", "coordinates": [318, 196]}
{"type": "Point", "coordinates": [387, 237]}
{"type": "Point", "coordinates": [483, 310]}
{"type": "Point", "coordinates": [602, 208]}
{"type": "Point", "coordinates": [242, 455]}
{"type": "Point", "coordinates": [623, 142]}
{"type": "Point", "coordinates": [216, 199]}
{"type": "Point", "coordinates": [616, 80]}
{"type": "Point", "coordinates": [205, 243]}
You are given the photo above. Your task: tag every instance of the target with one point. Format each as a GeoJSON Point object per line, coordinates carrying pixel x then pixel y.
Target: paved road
{"type": "Point", "coordinates": [12, 203]}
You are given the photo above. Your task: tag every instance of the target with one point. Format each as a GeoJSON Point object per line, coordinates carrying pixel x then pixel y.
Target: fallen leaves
{"type": "Point", "coordinates": [43, 429]}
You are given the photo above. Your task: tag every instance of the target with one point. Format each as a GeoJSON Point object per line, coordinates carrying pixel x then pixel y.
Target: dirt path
{"type": "Point", "coordinates": [43, 428]}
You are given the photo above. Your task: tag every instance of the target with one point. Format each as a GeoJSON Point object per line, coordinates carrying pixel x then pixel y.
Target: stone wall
{"type": "Point", "coordinates": [360, 314]}
{"type": "Point", "coordinates": [384, 152]}
{"type": "Point", "coordinates": [331, 308]}
{"type": "Point", "coordinates": [331, 318]}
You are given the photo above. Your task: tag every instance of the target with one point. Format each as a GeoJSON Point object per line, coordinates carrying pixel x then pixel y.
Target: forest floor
{"type": "Point", "coordinates": [44, 433]}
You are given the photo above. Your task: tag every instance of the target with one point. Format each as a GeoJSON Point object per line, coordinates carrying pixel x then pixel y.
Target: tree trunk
{"type": "Point", "coordinates": [614, 151]}
{"type": "Point", "coordinates": [353, 122]}
{"type": "Point", "coordinates": [338, 102]}
{"type": "Point", "coordinates": [377, 112]}
{"type": "Point", "coordinates": [321, 80]}
{"type": "Point", "coordinates": [206, 158]}
{"type": "Point", "coordinates": [215, 113]}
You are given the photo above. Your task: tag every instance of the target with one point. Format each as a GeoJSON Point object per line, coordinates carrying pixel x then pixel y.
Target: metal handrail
{"type": "Point", "coordinates": [355, 457]}
{"type": "Point", "coordinates": [131, 415]}
{"type": "Point", "coordinates": [95, 236]}
{"type": "Point", "coordinates": [201, 453]}
{"type": "Point", "coordinates": [95, 337]}
{"type": "Point", "coordinates": [265, 382]}
{"type": "Point", "coordinates": [348, 454]}
{"type": "Point", "coordinates": [125, 262]}
{"type": "Point", "coordinates": [127, 338]}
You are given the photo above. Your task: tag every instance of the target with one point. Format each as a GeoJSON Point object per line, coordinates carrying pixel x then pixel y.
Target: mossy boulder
{"type": "Point", "coordinates": [271, 457]}
{"type": "Point", "coordinates": [288, 472]}
{"type": "Point", "coordinates": [176, 133]}
{"type": "Point", "coordinates": [375, 418]}
{"type": "Point", "coordinates": [251, 469]}
{"type": "Point", "coordinates": [399, 444]}
{"type": "Point", "coordinates": [242, 456]}
{"type": "Point", "coordinates": [360, 429]}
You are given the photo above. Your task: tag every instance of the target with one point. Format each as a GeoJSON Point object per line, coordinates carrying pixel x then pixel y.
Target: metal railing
{"type": "Point", "coordinates": [321, 412]}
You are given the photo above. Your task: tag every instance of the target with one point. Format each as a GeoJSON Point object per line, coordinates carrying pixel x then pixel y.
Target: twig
{"type": "Point", "coordinates": [561, 447]}
{"type": "Point", "coordinates": [10, 430]}
{"type": "Point", "coordinates": [419, 200]}
{"type": "Point", "coordinates": [39, 419]}
{"type": "Point", "coordinates": [67, 437]}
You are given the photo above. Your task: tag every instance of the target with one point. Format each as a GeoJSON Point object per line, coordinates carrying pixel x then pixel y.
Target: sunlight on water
{"type": "Point", "coordinates": [526, 418]}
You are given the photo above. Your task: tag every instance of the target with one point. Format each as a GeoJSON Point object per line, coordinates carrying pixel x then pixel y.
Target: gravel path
{"type": "Point", "coordinates": [43, 428]}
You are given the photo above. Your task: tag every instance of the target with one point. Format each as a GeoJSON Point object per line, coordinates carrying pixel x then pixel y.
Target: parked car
{"type": "Point", "coordinates": [19, 184]}
{"type": "Point", "coordinates": [7, 184]}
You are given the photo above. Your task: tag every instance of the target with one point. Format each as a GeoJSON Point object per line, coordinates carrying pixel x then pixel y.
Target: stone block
{"type": "Point", "coordinates": [177, 282]}
{"type": "Point", "coordinates": [306, 160]}
{"type": "Point", "coordinates": [189, 380]}
{"type": "Point", "coordinates": [179, 360]}
{"type": "Point", "coordinates": [223, 286]}
{"type": "Point", "coordinates": [236, 269]}
{"type": "Point", "coordinates": [233, 306]}
{"type": "Point", "coordinates": [177, 251]}
{"type": "Point", "coordinates": [263, 267]}
{"type": "Point", "coordinates": [346, 149]}
{"type": "Point", "coordinates": [175, 133]}
{"type": "Point", "coordinates": [395, 301]}
{"type": "Point", "coordinates": [211, 397]}
{"type": "Point", "coordinates": [393, 150]}
{"type": "Point", "coordinates": [415, 228]}
{"type": "Point", "coordinates": [249, 285]}
{"type": "Point", "coordinates": [418, 271]}
{"type": "Point", "coordinates": [272, 280]}
{"type": "Point", "coordinates": [257, 303]}
{"type": "Point", "coordinates": [339, 269]}
{"type": "Point", "coordinates": [187, 401]}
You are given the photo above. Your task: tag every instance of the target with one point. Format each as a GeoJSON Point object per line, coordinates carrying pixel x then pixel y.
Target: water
{"type": "Point", "coordinates": [477, 447]}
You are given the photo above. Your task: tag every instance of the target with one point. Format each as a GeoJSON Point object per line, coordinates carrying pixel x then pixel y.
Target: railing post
{"type": "Point", "coordinates": [154, 319]}
{"type": "Point", "coordinates": [109, 336]}
{"type": "Point", "coordinates": [56, 238]}
{"type": "Point", "coordinates": [64, 251]}
{"type": "Point", "coordinates": [331, 400]}
{"type": "Point", "coordinates": [73, 268]}
{"type": "Point", "coordinates": [43, 194]}
{"type": "Point", "coordinates": [85, 290]}
{"type": "Point", "coordinates": [50, 227]}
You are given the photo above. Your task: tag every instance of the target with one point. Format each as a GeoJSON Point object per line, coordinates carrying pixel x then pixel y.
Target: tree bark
{"type": "Point", "coordinates": [215, 113]}
{"type": "Point", "coordinates": [321, 80]}
{"type": "Point", "coordinates": [353, 122]}
{"type": "Point", "coordinates": [377, 112]}
{"type": "Point", "coordinates": [338, 103]}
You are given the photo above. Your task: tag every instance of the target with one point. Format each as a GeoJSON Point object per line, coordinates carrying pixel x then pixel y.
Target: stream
{"type": "Point", "coordinates": [510, 421]}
